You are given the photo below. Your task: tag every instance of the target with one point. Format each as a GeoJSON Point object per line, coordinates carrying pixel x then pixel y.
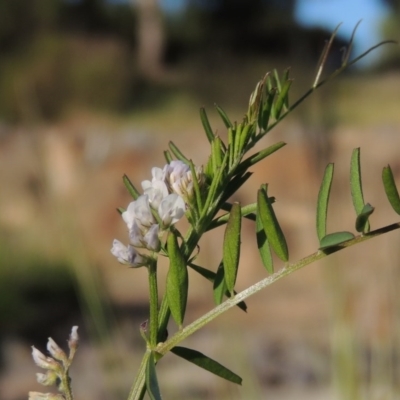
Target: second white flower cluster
{"type": "Point", "coordinates": [166, 196]}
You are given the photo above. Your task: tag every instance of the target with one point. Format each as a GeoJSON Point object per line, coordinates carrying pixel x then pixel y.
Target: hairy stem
{"type": "Point", "coordinates": [289, 268]}
{"type": "Point", "coordinates": [153, 323]}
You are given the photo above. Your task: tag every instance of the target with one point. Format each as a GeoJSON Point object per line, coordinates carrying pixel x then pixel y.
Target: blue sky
{"type": "Point", "coordinates": [329, 13]}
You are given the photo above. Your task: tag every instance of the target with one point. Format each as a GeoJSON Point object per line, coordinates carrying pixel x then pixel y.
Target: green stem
{"type": "Point", "coordinates": [163, 318]}
{"type": "Point", "coordinates": [138, 389]}
{"type": "Point", "coordinates": [66, 383]}
{"type": "Point", "coordinates": [286, 270]}
{"type": "Point", "coordinates": [153, 324]}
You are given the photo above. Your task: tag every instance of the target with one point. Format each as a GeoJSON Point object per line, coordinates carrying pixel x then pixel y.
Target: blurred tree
{"type": "Point", "coordinates": [150, 39]}
{"type": "Point", "coordinates": [391, 30]}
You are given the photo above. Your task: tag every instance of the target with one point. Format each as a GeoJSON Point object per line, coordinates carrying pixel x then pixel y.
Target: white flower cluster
{"type": "Point", "coordinates": [57, 367]}
{"type": "Point", "coordinates": [165, 195]}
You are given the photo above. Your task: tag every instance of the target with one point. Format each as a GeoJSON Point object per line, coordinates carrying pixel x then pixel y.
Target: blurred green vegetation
{"type": "Point", "coordinates": [36, 293]}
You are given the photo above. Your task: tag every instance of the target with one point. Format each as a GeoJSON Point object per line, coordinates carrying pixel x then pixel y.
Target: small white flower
{"type": "Point", "coordinates": [55, 351]}
{"type": "Point", "coordinates": [139, 211]}
{"type": "Point", "coordinates": [171, 209]}
{"type": "Point", "coordinates": [175, 171]}
{"type": "Point", "coordinates": [127, 254]}
{"type": "Point", "coordinates": [146, 238]}
{"type": "Point", "coordinates": [156, 191]}
{"type": "Point", "coordinates": [73, 342]}
{"type": "Point", "coordinates": [151, 239]}
{"type": "Point", "coordinates": [180, 179]}
{"type": "Point", "coordinates": [44, 362]}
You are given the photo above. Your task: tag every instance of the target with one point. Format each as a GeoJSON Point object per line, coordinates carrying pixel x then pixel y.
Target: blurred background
{"type": "Point", "coordinates": [93, 89]}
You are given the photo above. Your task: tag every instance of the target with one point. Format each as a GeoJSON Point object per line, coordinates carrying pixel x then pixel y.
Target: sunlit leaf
{"type": "Point", "coordinates": [271, 225]}
{"type": "Point", "coordinates": [231, 246]}
{"type": "Point", "coordinates": [206, 124]}
{"type": "Point", "coordinates": [334, 239]}
{"type": "Point", "coordinates": [255, 158]}
{"type": "Point", "coordinates": [323, 200]}
{"type": "Point", "coordinates": [282, 99]}
{"type": "Point", "coordinates": [263, 246]}
{"type": "Point", "coordinates": [206, 363]}
{"type": "Point", "coordinates": [362, 218]}
{"type": "Point", "coordinates": [356, 185]}
{"type": "Point", "coordinates": [168, 156]}
{"type": "Point", "coordinates": [219, 287]}
{"type": "Point", "coordinates": [391, 189]}
{"type": "Point", "coordinates": [177, 153]}
{"type": "Point", "coordinates": [224, 117]}
{"type": "Point", "coordinates": [131, 188]}
{"type": "Point", "coordinates": [266, 109]}
{"type": "Point", "coordinates": [177, 281]}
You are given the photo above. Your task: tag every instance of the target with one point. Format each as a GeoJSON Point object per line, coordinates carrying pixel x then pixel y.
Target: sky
{"type": "Point", "coordinates": [328, 14]}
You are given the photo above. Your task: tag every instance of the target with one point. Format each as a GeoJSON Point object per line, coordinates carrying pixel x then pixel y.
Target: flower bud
{"type": "Point", "coordinates": [55, 351]}
{"type": "Point", "coordinates": [44, 362]}
{"type": "Point", "coordinates": [47, 379]}
{"type": "Point", "coordinates": [73, 339]}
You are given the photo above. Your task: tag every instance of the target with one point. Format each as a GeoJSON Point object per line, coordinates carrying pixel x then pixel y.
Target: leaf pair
{"type": "Point", "coordinates": [363, 210]}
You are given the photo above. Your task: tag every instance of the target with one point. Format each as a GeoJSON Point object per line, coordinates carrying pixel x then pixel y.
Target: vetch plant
{"type": "Point", "coordinates": [57, 368]}
{"type": "Point", "coordinates": [201, 195]}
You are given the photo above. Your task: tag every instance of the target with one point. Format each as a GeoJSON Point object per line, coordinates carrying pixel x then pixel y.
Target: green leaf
{"type": "Point", "coordinates": [215, 184]}
{"type": "Point", "coordinates": [271, 225]}
{"type": "Point", "coordinates": [246, 133]}
{"type": "Point", "coordinates": [235, 184]}
{"type": "Point", "coordinates": [177, 153]}
{"type": "Point", "coordinates": [282, 98]}
{"type": "Point", "coordinates": [196, 186]}
{"type": "Point", "coordinates": [206, 124]}
{"type": "Point", "coordinates": [263, 246]}
{"type": "Point", "coordinates": [362, 218]}
{"type": "Point", "coordinates": [255, 158]}
{"type": "Point", "coordinates": [323, 201]}
{"type": "Point", "coordinates": [266, 109]}
{"type": "Point", "coordinates": [219, 287]}
{"type": "Point", "coordinates": [356, 184]}
{"type": "Point", "coordinates": [209, 275]}
{"type": "Point", "coordinates": [131, 188]}
{"type": "Point", "coordinates": [168, 157]}
{"type": "Point", "coordinates": [231, 246]}
{"type": "Point", "coordinates": [206, 363]}
{"type": "Point", "coordinates": [177, 281]}
{"type": "Point", "coordinates": [151, 379]}
{"type": "Point", "coordinates": [334, 239]}
{"type": "Point", "coordinates": [391, 189]}
{"type": "Point", "coordinates": [217, 154]}
{"type": "Point", "coordinates": [255, 100]}
{"type": "Point", "coordinates": [224, 117]}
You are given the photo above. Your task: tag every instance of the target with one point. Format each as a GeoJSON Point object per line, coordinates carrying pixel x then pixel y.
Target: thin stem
{"type": "Point", "coordinates": [66, 383]}
{"type": "Point", "coordinates": [138, 388]}
{"type": "Point", "coordinates": [286, 270]}
{"type": "Point", "coordinates": [163, 318]}
{"type": "Point", "coordinates": [153, 325]}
